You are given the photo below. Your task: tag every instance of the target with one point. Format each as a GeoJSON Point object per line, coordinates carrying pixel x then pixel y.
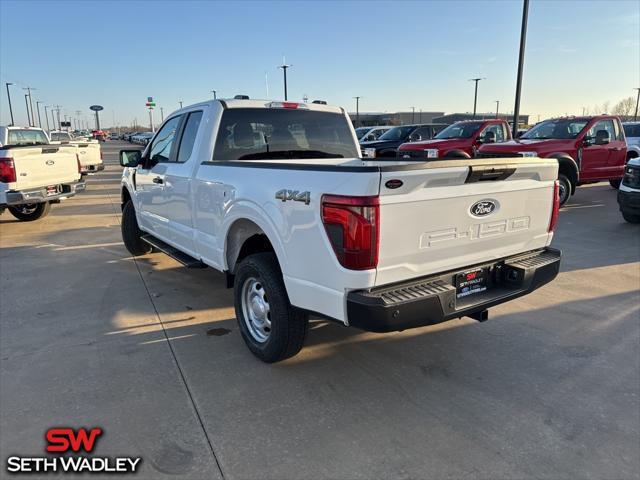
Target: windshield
{"type": "Point", "coordinates": [562, 128]}
{"type": "Point", "coordinates": [459, 130]}
{"type": "Point", "coordinates": [27, 137]}
{"type": "Point", "coordinates": [279, 133]}
{"type": "Point", "coordinates": [396, 133]}
{"type": "Point", "coordinates": [60, 136]}
{"type": "Point", "coordinates": [361, 132]}
{"type": "Point", "coordinates": [632, 130]}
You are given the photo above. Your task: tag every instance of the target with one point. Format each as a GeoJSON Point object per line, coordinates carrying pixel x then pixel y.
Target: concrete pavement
{"type": "Point", "coordinates": [150, 351]}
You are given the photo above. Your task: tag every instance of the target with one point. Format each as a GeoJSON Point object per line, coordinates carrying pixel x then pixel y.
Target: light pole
{"type": "Point", "coordinates": [357, 110]}
{"type": "Point", "coordinates": [284, 67]}
{"type": "Point", "coordinates": [635, 115]}
{"type": "Point", "coordinates": [180, 102]}
{"type": "Point", "coordinates": [46, 117]}
{"type": "Point", "coordinates": [9, 98]}
{"type": "Point", "coordinates": [475, 96]}
{"type": "Point", "coordinates": [214, 94]}
{"type": "Point", "coordinates": [413, 114]}
{"type": "Point", "coordinates": [53, 118]}
{"type": "Point", "coordinates": [497, 107]}
{"type": "Point", "coordinates": [79, 115]}
{"type": "Point", "coordinates": [161, 114]}
{"type": "Point", "coordinates": [58, 115]}
{"type": "Point", "coordinates": [38, 102]}
{"type": "Point", "coordinates": [26, 102]}
{"type": "Point", "coordinates": [523, 39]}
{"type": "Point", "coordinates": [33, 118]}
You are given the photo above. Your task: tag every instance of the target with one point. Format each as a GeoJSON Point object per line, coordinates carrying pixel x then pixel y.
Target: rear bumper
{"type": "Point", "coordinates": [91, 168]}
{"type": "Point", "coordinates": [629, 202]}
{"type": "Point", "coordinates": [433, 299]}
{"type": "Point", "coordinates": [39, 195]}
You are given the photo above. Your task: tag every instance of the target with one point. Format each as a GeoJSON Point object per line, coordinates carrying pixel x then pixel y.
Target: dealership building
{"type": "Point", "coordinates": [407, 118]}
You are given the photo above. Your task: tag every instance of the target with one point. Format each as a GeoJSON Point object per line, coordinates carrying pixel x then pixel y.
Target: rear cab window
{"type": "Point", "coordinates": [27, 137]}
{"type": "Point", "coordinates": [281, 133]}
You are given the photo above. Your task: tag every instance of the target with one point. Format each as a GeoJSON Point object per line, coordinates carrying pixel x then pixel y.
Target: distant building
{"type": "Point", "coordinates": [457, 117]}
{"type": "Point", "coordinates": [395, 118]}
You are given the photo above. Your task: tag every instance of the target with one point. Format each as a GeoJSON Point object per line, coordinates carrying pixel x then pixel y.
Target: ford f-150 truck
{"type": "Point", "coordinates": [629, 191]}
{"type": "Point", "coordinates": [588, 149]}
{"type": "Point", "coordinates": [34, 174]}
{"type": "Point", "coordinates": [460, 140]}
{"type": "Point", "coordinates": [275, 195]}
{"type": "Point", "coordinates": [632, 134]}
{"type": "Point", "coordinates": [89, 150]}
{"type": "Point", "coordinates": [387, 144]}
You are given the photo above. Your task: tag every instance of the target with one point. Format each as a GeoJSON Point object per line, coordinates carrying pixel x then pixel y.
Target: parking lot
{"type": "Point", "coordinates": [150, 351]}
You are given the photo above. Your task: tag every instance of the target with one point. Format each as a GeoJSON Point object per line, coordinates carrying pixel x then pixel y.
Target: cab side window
{"type": "Point", "coordinates": [189, 136]}
{"type": "Point", "coordinates": [498, 131]}
{"type": "Point", "coordinates": [423, 133]}
{"type": "Point", "coordinates": [602, 125]}
{"type": "Point", "coordinates": [162, 145]}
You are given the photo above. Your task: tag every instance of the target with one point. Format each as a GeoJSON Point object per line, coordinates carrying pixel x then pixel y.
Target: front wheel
{"type": "Point", "coordinates": [131, 233]}
{"type": "Point", "coordinates": [565, 189]}
{"type": "Point", "coordinates": [31, 211]}
{"type": "Point", "coordinates": [615, 183]}
{"type": "Point", "coordinates": [271, 327]}
{"type": "Point", "coordinates": [631, 218]}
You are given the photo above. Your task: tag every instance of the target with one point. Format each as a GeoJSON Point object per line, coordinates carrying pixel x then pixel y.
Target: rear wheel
{"type": "Point", "coordinates": [631, 218]}
{"type": "Point", "coordinates": [131, 233]}
{"type": "Point", "coordinates": [615, 183]}
{"type": "Point", "coordinates": [31, 211]}
{"type": "Point", "coordinates": [565, 188]}
{"type": "Point", "coordinates": [271, 327]}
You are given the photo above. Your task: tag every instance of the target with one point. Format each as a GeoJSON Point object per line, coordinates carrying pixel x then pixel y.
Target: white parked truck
{"type": "Point", "coordinates": [275, 195]}
{"type": "Point", "coordinates": [89, 150]}
{"type": "Point", "coordinates": [34, 173]}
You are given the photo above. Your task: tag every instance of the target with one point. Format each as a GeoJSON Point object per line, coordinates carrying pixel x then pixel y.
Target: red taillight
{"type": "Point", "coordinates": [556, 207]}
{"type": "Point", "coordinates": [78, 162]}
{"type": "Point", "coordinates": [352, 225]}
{"type": "Point", "coordinates": [7, 170]}
{"type": "Point", "coordinates": [290, 105]}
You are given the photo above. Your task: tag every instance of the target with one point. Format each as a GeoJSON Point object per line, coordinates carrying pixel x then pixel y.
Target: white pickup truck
{"type": "Point", "coordinates": [34, 173]}
{"type": "Point", "coordinates": [89, 151]}
{"type": "Point", "coordinates": [275, 195]}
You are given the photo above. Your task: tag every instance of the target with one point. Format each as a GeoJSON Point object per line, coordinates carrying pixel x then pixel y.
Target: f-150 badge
{"type": "Point", "coordinates": [294, 195]}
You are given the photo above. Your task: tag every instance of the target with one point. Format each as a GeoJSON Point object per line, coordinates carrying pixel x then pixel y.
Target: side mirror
{"type": "Point", "coordinates": [602, 137]}
{"type": "Point", "coordinates": [479, 140]}
{"type": "Point", "coordinates": [130, 158]}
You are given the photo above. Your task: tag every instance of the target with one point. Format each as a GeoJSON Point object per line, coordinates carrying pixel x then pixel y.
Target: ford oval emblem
{"type": "Point", "coordinates": [50, 162]}
{"type": "Point", "coordinates": [395, 183]}
{"type": "Point", "coordinates": [483, 208]}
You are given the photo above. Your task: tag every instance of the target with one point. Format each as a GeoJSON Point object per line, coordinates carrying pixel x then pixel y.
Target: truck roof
{"type": "Point", "coordinates": [16, 127]}
{"type": "Point", "coordinates": [261, 103]}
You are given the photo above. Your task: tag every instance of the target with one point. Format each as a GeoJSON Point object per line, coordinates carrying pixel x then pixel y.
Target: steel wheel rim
{"type": "Point", "coordinates": [256, 312]}
{"type": "Point", "coordinates": [563, 192]}
{"type": "Point", "coordinates": [27, 209]}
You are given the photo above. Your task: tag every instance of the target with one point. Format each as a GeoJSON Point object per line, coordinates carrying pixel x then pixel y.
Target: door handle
{"type": "Point", "coordinates": [158, 180]}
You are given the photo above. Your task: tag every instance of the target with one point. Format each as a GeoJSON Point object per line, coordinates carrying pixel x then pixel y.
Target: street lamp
{"type": "Point", "coordinates": [26, 102]}
{"type": "Point", "coordinates": [180, 102]}
{"type": "Point", "coordinates": [46, 117]}
{"type": "Point", "coordinates": [357, 110]}
{"type": "Point", "coordinates": [38, 102]}
{"type": "Point", "coordinates": [635, 115]}
{"type": "Point", "coordinates": [33, 118]}
{"type": "Point", "coordinates": [284, 67]}
{"type": "Point", "coordinates": [523, 38]}
{"type": "Point", "coordinates": [497, 107]}
{"type": "Point", "coordinates": [214, 94]}
{"type": "Point", "coordinates": [9, 98]}
{"type": "Point", "coordinates": [413, 114]}
{"type": "Point", "coordinates": [475, 97]}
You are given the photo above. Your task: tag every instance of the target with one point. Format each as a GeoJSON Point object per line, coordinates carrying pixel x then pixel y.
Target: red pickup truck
{"type": "Point", "coordinates": [588, 149]}
{"type": "Point", "coordinates": [460, 140]}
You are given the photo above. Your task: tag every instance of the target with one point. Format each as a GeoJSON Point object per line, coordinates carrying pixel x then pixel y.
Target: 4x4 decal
{"type": "Point", "coordinates": [294, 195]}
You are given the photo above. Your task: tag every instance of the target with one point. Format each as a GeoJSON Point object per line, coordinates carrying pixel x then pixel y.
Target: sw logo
{"type": "Point", "coordinates": [65, 440]}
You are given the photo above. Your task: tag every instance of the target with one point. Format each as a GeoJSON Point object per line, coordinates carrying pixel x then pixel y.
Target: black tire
{"type": "Point", "coordinates": [131, 233]}
{"type": "Point", "coordinates": [565, 189]}
{"type": "Point", "coordinates": [30, 212]}
{"type": "Point", "coordinates": [615, 183]}
{"type": "Point", "coordinates": [631, 218]}
{"type": "Point", "coordinates": [288, 325]}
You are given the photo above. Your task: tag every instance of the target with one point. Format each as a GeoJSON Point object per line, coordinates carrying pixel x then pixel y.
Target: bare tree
{"type": "Point", "coordinates": [624, 107]}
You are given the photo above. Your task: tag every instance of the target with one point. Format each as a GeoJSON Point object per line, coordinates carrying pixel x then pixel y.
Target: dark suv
{"type": "Point", "coordinates": [389, 142]}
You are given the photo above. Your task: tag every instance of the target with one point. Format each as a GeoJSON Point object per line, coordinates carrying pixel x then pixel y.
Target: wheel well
{"type": "Point", "coordinates": [125, 197]}
{"type": "Point", "coordinates": [632, 154]}
{"type": "Point", "coordinates": [243, 239]}
{"type": "Point", "coordinates": [456, 154]}
{"type": "Point", "coordinates": [568, 168]}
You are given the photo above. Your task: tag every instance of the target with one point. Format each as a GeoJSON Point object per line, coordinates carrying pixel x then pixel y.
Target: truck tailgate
{"type": "Point", "coordinates": [45, 165]}
{"type": "Point", "coordinates": [88, 152]}
{"type": "Point", "coordinates": [454, 214]}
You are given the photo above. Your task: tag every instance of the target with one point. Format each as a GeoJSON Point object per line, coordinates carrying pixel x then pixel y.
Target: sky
{"type": "Point", "coordinates": [394, 55]}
